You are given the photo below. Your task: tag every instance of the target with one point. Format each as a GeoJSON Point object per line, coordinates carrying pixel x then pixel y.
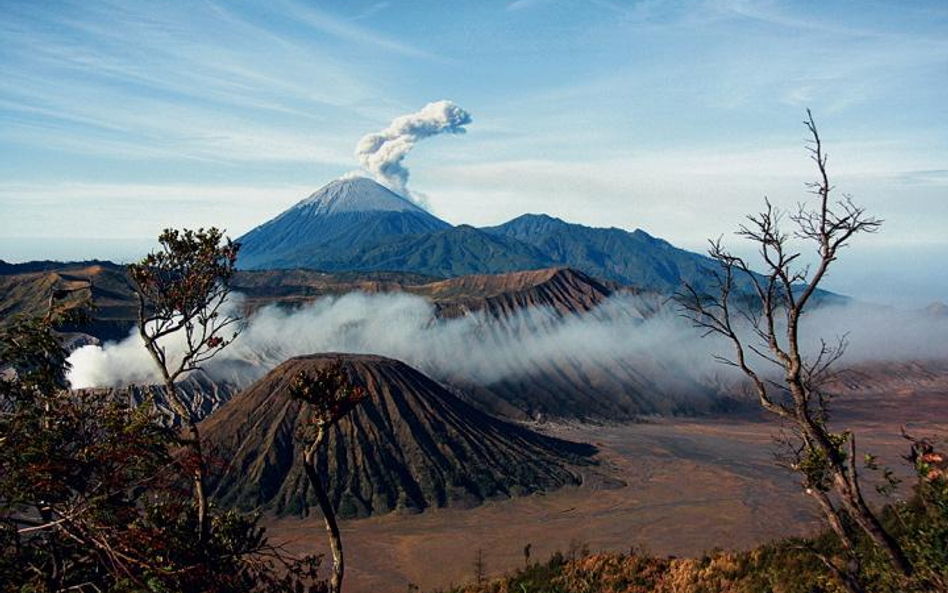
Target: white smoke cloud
{"type": "Point", "coordinates": [128, 362]}
{"type": "Point", "coordinates": [113, 364]}
{"type": "Point", "coordinates": [662, 347]}
{"type": "Point", "coordinates": [382, 153]}
{"type": "Point", "coordinates": [477, 348]}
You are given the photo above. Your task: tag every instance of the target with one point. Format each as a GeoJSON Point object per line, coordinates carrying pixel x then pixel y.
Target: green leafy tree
{"type": "Point", "coordinates": [182, 291]}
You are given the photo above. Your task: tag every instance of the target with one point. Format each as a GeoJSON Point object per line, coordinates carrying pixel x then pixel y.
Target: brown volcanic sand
{"type": "Point", "coordinates": [693, 485]}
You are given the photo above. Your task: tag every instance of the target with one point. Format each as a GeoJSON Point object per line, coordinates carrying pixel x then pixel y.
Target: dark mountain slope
{"type": "Point", "coordinates": [451, 252]}
{"type": "Point", "coordinates": [635, 259]}
{"type": "Point", "coordinates": [409, 446]}
{"type": "Point", "coordinates": [563, 290]}
{"type": "Point", "coordinates": [357, 225]}
{"type": "Point", "coordinates": [25, 289]}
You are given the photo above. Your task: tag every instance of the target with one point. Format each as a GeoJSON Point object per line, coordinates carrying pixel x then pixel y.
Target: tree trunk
{"type": "Point", "coordinates": [199, 479]}
{"type": "Point", "coordinates": [846, 482]}
{"type": "Point", "coordinates": [871, 525]}
{"type": "Point", "coordinates": [55, 576]}
{"type": "Point", "coordinates": [332, 528]}
{"type": "Point", "coordinates": [199, 473]}
{"type": "Point", "coordinates": [849, 577]}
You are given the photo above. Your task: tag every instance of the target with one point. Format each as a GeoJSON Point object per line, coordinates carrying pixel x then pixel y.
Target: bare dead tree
{"type": "Point", "coordinates": [330, 395]}
{"type": "Point", "coordinates": [182, 289]}
{"type": "Point", "coordinates": [769, 306]}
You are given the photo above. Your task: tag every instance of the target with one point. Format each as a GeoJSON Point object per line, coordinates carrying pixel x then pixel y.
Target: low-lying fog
{"type": "Point", "coordinates": [485, 349]}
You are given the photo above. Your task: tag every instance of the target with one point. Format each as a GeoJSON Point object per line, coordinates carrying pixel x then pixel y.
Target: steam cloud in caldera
{"type": "Point", "coordinates": [382, 153]}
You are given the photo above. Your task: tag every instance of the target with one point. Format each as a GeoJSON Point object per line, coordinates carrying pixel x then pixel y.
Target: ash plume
{"type": "Point", "coordinates": [382, 153]}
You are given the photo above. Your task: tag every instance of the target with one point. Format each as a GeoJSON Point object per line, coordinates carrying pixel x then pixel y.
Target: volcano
{"type": "Point", "coordinates": [410, 445]}
{"type": "Point", "coordinates": [342, 216]}
{"type": "Point", "coordinates": [357, 225]}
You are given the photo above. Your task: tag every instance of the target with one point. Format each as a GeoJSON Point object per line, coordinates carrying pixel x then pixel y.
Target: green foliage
{"type": "Point", "coordinates": [237, 556]}
{"type": "Point", "coordinates": [190, 265]}
{"type": "Point", "coordinates": [31, 350]}
{"type": "Point", "coordinates": [93, 498]}
{"type": "Point", "coordinates": [184, 285]}
{"type": "Point", "coordinates": [815, 464]}
{"type": "Point", "coordinates": [923, 522]}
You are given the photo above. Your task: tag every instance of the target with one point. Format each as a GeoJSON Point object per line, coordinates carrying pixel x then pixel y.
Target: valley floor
{"type": "Point", "coordinates": [692, 485]}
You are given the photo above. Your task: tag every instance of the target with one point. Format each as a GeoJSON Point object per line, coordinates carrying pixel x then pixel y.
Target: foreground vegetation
{"type": "Point", "coordinates": [792, 565]}
{"type": "Point", "coordinates": [97, 494]}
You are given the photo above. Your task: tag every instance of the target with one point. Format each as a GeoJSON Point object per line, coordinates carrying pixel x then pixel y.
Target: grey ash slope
{"type": "Point", "coordinates": [409, 446]}
{"type": "Point", "coordinates": [341, 216]}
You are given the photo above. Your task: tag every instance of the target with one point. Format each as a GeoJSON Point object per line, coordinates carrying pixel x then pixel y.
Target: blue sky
{"type": "Point", "coordinates": [120, 118]}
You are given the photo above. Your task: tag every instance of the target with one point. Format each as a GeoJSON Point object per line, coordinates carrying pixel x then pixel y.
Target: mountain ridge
{"type": "Point", "coordinates": [358, 225]}
{"type": "Point", "coordinates": [634, 258]}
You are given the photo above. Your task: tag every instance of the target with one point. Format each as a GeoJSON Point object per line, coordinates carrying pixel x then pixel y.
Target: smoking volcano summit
{"type": "Point", "coordinates": [332, 225]}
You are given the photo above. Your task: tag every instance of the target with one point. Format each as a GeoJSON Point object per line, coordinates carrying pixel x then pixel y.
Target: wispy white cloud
{"type": "Point", "coordinates": [685, 195]}
{"type": "Point", "coordinates": [372, 10]}
{"type": "Point", "coordinates": [774, 12]}
{"type": "Point", "coordinates": [155, 88]}
{"type": "Point", "coordinates": [932, 177]}
{"type": "Point", "coordinates": [177, 84]}
{"type": "Point", "coordinates": [184, 135]}
{"type": "Point", "coordinates": [662, 114]}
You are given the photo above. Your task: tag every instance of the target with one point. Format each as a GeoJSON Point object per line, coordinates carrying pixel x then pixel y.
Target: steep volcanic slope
{"type": "Point", "coordinates": [344, 215]}
{"type": "Point", "coordinates": [410, 445]}
{"type": "Point", "coordinates": [358, 225]}
{"type": "Point", "coordinates": [562, 290]}
{"type": "Point", "coordinates": [201, 394]}
{"type": "Point", "coordinates": [599, 388]}
{"type": "Point", "coordinates": [25, 288]}
{"type": "Point", "coordinates": [578, 385]}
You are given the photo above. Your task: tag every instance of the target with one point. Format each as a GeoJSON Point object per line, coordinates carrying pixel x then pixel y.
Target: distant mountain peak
{"type": "Point", "coordinates": [536, 219]}
{"type": "Point", "coordinates": [333, 223]}
{"type": "Point", "coordinates": [534, 222]}
{"type": "Point", "coordinates": [355, 194]}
